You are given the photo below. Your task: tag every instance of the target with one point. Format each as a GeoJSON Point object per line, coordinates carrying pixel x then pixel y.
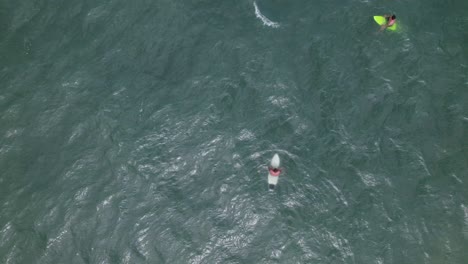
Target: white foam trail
{"type": "Point", "coordinates": [265, 20]}
{"type": "Point", "coordinates": [465, 227]}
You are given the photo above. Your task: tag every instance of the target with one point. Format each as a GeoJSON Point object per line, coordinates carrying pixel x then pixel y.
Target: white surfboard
{"type": "Point", "coordinates": [273, 177]}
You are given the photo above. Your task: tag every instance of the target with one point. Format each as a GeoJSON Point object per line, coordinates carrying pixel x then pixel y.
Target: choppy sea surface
{"type": "Point", "coordinates": [141, 131]}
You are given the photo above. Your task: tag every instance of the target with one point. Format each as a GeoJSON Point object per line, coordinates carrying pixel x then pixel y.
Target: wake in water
{"type": "Point", "coordinates": [265, 20]}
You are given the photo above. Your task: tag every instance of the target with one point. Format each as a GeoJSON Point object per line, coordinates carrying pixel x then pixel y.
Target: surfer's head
{"type": "Point", "coordinates": [393, 17]}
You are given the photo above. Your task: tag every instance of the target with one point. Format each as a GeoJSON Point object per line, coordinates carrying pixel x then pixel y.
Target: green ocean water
{"type": "Point", "coordinates": [141, 131]}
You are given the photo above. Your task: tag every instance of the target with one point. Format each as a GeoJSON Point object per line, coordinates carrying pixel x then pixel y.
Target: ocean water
{"type": "Point", "coordinates": [141, 131]}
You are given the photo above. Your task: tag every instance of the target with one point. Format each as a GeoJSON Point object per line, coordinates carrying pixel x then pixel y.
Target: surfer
{"type": "Point", "coordinates": [391, 19]}
{"type": "Point", "coordinates": [273, 172]}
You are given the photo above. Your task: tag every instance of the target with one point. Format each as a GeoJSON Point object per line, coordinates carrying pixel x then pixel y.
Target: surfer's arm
{"type": "Point", "coordinates": [383, 27]}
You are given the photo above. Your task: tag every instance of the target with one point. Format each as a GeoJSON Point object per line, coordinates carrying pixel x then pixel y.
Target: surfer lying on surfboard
{"type": "Point", "coordinates": [273, 172]}
{"type": "Point", "coordinates": [391, 19]}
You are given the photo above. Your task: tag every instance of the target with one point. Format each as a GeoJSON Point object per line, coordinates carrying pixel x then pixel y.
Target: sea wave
{"type": "Point", "coordinates": [265, 20]}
